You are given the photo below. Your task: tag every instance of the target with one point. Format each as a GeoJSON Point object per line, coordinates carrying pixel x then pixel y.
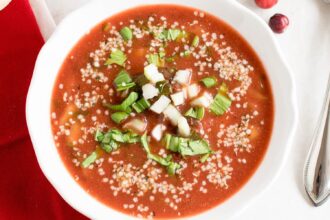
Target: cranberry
{"type": "Point", "coordinates": [278, 23]}
{"type": "Point", "coordinates": [266, 3]}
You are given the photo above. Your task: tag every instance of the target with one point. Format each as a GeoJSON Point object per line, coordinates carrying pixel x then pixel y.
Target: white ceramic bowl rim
{"type": "Point", "coordinates": [74, 26]}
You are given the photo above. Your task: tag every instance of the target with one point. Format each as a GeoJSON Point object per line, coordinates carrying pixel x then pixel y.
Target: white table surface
{"type": "Point", "coordinates": [306, 46]}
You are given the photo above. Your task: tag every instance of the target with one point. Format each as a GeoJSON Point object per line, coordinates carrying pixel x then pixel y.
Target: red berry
{"type": "Point", "coordinates": [266, 3]}
{"type": "Point", "coordinates": [278, 23]}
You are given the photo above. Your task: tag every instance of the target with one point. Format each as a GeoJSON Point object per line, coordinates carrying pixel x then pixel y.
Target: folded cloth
{"type": "Point", "coordinates": [24, 191]}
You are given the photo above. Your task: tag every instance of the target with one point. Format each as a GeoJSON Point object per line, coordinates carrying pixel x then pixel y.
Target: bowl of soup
{"type": "Point", "coordinates": [161, 109]}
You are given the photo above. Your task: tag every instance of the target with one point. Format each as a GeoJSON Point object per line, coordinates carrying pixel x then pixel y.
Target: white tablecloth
{"type": "Point", "coordinates": [306, 46]}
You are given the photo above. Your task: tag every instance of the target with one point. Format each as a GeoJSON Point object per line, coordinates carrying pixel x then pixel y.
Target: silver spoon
{"type": "Point", "coordinates": [317, 168]}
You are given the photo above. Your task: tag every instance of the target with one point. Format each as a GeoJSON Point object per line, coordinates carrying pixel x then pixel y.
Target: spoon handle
{"type": "Point", "coordinates": [317, 168]}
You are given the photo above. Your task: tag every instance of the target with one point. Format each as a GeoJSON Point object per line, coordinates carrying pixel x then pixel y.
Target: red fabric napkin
{"type": "Point", "coordinates": [24, 191]}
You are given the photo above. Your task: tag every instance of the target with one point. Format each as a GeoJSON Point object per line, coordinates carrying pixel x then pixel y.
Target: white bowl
{"type": "Point", "coordinates": [73, 27]}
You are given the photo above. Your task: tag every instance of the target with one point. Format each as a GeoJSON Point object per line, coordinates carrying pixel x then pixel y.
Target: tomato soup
{"type": "Point", "coordinates": [162, 112]}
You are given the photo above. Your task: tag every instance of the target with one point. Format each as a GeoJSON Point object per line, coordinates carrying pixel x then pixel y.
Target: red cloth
{"type": "Point", "coordinates": [24, 191]}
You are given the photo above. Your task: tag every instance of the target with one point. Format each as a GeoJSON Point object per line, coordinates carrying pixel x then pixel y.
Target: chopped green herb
{"type": "Point", "coordinates": [167, 162]}
{"type": "Point", "coordinates": [195, 147]}
{"type": "Point", "coordinates": [197, 112]}
{"type": "Point", "coordinates": [144, 143]}
{"type": "Point", "coordinates": [89, 160]}
{"type": "Point", "coordinates": [172, 143]}
{"type": "Point", "coordinates": [173, 34]}
{"type": "Point", "coordinates": [126, 33]}
{"type": "Point", "coordinates": [204, 158]}
{"type": "Point", "coordinates": [169, 34]}
{"type": "Point", "coordinates": [110, 140]}
{"type": "Point", "coordinates": [162, 161]}
{"type": "Point", "coordinates": [186, 146]}
{"type": "Point", "coordinates": [122, 77]}
{"type": "Point", "coordinates": [125, 106]}
{"type": "Point", "coordinates": [111, 146]}
{"type": "Point", "coordinates": [125, 86]}
{"type": "Point", "coordinates": [195, 41]}
{"type": "Point", "coordinates": [164, 87]}
{"type": "Point", "coordinates": [118, 117]}
{"type": "Point", "coordinates": [209, 82]}
{"type": "Point", "coordinates": [123, 81]}
{"type": "Point", "coordinates": [172, 168]}
{"type": "Point", "coordinates": [221, 102]}
{"type": "Point", "coordinates": [116, 57]}
{"type": "Point", "coordinates": [186, 53]}
{"type": "Point", "coordinates": [99, 136]}
{"type": "Point", "coordinates": [141, 105]}
{"type": "Point", "coordinates": [156, 59]}
{"type": "Point", "coordinates": [131, 138]}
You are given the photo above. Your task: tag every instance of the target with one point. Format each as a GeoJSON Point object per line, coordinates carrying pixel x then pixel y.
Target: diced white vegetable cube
{"type": "Point", "coordinates": [136, 125]}
{"type": "Point", "coordinates": [185, 92]}
{"type": "Point", "coordinates": [203, 101]}
{"type": "Point", "coordinates": [160, 105]}
{"type": "Point", "coordinates": [149, 91]}
{"type": "Point", "coordinates": [182, 77]}
{"type": "Point", "coordinates": [172, 114]}
{"type": "Point", "coordinates": [183, 127]}
{"type": "Point", "coordinates": [193, 90]}
{"type": "Point", "coordinates": [157, 132]}
{"type": "Point", "coordinates": [178, 98]}
{"type": "Point", "coordinates": [152, 74]}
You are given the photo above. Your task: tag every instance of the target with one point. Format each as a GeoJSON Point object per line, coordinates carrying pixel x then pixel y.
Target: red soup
{"type": "Point", "coordinates": [162, 112]}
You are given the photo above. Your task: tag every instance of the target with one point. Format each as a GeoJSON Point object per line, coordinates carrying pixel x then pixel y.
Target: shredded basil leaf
{"type": "Point", "coordinates": [172, 143]}
{"type": "Point", "coordinates": [172, 168]}
{"type": "Point", "coordinates": [209, 81]}
{"type": "Point", "coordinates": [123, 81]}
{"type": "Point", "coordinates": [99, 136]}
{"type": "Point", "coordinates": [116, 57]}
{"type": "Point", "coordinates": [125, 86]}
{"type": "Point", "coordinates": [126, 33]}
{"type": "Point", "coordinates": [204, 158]}
{"type": "Point", "coordinates": [118, 117]}
{"type": "Point", "coordinates": [111, 140]}
{"type": "Point", "coordinates": [122, 77]}
{"type": "Point", "coordinates": [141, 105]}
{"type": "Point", "coordinates": [169, 34]}
{"type": "Point", "coordinates": [156, 59]}
{"type": "Point", "coordinates": [186, 146]}
{"type": "Point", "coordinates": [195, 147]}
{"type": "Point", "coordinates": [221, 102]}
{"type": "Point", "coordinates": [144, 143]}
{"type": "Point", "coordinates": [195, 41]}
{"type": "Point", "coordinates": [197, 113]}
{"type": "Point", "coordinates": [167, 162]}
{"type": "Point", "coordinates": [89, 160]}
{"type": "Point", "coordinates": [173, 34]}
{"type": "Point", "coordinates": [125, 105]}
